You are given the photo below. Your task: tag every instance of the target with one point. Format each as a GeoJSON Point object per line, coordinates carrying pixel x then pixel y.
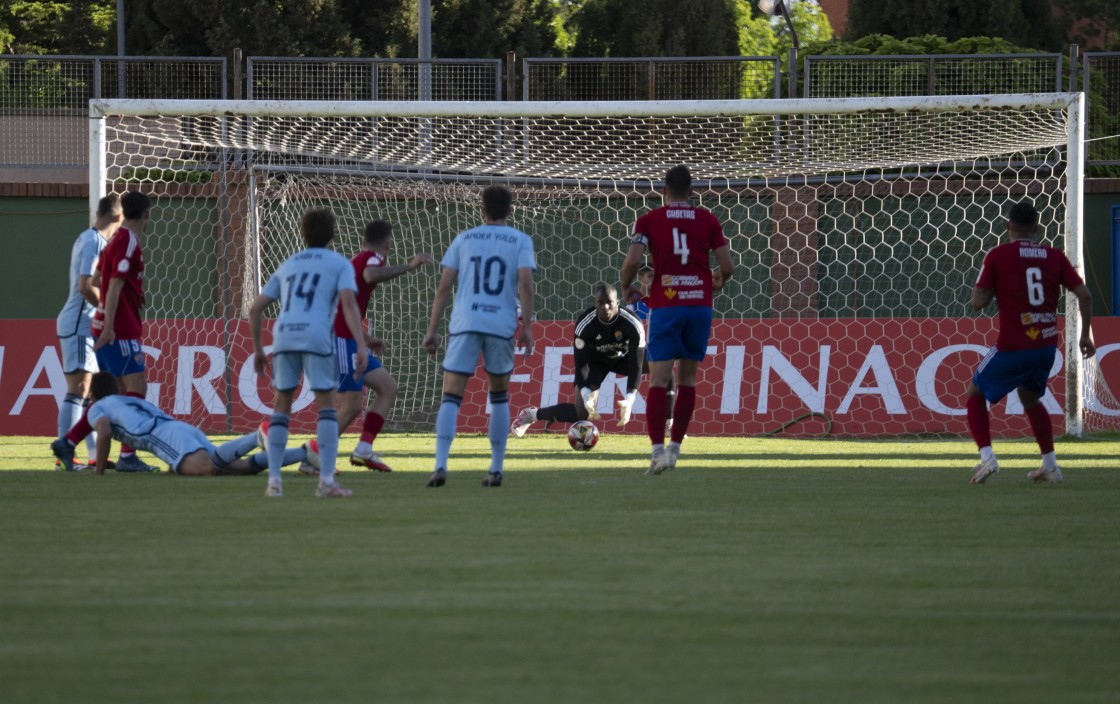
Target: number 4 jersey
{"type": "Point", "coordinates": [488, 259]}
{"type": "Point", "coordinates": [1026, 276]}
{"type": "Point", "coordinates": [306, 286]}
{"type": "Point", "coordinates": [680, 239]}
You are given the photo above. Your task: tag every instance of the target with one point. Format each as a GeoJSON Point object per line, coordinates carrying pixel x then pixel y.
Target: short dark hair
{"type": "Point", "coordinates": [678, 181]}
{"type": "Point", "coordinates": [103, 384]}
{"type": "Point", "coordinates": [135, 205]}
{"type": "Point", "coordinates": [646, 269]}
{"type": "Point", "coordinates": [377, 232]}
{"type": "Point", "coordinates": [604, 288]}
{"type": "Point", "coordinates": [497, 202]}
{"type": "Point", "coordinates": [1023, 216]}
{"type": "Point", "coordinates": [109, 205]}
{"type": "Point", "coordinates": [317, 227]}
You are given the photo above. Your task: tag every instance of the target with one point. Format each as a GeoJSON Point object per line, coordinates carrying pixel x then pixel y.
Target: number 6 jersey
{"type": "Point", "coordinates": [1025, 277]}
{"type": "Point", "coordinates": [306, 285]}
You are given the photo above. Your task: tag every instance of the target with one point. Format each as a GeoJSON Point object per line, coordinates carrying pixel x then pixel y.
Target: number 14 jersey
{"type": "Point", "coordinates": [680, 239]}
{"type": "Point", "coordinates": [306, 285]}
{"type": "Point", "coordinates": [1026, 277]}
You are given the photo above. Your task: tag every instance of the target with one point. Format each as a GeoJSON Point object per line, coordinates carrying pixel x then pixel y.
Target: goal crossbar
{"type": "Point", "coordinates": [514, 109]}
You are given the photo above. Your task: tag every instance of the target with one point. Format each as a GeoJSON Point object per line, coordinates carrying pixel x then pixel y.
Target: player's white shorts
{"type": "Point", "coordinates": [77, 354]}
{"type": "Point", "coordinates": [173, 440]}
{"type": "Point", "coordinates": [321, 371]}
{"type": "Point", "coordinates": [463, 350]}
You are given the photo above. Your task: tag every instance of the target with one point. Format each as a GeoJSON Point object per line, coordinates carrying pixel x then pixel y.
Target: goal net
{"type": "Point", "coordinates": [857, 228]}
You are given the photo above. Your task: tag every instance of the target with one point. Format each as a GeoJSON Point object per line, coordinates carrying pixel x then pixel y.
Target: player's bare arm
{"type": "Point", "coordinates": [1085, 309]}
{"type": "Point", "coordinates": [104, 443]}
{"type": "Point", "coordinates": [439, 305]}
{"type": "Point", "coordinates": [631, 264]}
{"type": "Point", "coordinates": [381, 274]}
{"type": "Point", "coordinates": [88, 290]}
{"type": "Point", "coordinates": [256, 312]}
{"type": "Point", "coordinates": [981, 297]}
{"type": "Point", "coordinates": [526, 289]}
{"type": "Point", "coordinates": [726, 266]}
{"type": "Point", "coordinates": [353, 318]}
{"type": "Point", "coordinates": [112, 301]}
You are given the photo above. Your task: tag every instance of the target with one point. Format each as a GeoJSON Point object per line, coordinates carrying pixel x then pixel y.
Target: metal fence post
{"type": "Point", "coordinates": [237, 59]}
{"type": "Point", "coordinates": [651, 80]}
{"type": "Point", "coordinates": [511, 76]}
{"type": "Point", "coordinates": [1074, 61]}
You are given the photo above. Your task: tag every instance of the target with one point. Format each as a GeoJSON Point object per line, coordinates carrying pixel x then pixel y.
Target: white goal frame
{"type": "Point", "coordinates": [1072, 103]}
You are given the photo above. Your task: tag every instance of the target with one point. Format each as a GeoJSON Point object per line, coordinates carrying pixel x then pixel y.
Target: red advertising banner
{"type": "Point", "coordinates": [860, 377]}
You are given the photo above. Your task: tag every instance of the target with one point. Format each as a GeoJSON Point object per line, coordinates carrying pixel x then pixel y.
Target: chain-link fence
{"type": "Point", "coordinates": [1102, 90]}
{"type": "Point", "coordinates": [707, 78]}
{"type": "Point", "coordinates": [278, 78]}
{"type": "Point", "coordinates": [44, 100]}
{"type": "Point", "coordinates": [944, 74]}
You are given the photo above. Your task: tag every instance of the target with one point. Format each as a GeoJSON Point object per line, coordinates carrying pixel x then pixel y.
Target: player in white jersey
{"type": "Point", "coordinates": [184, 448]}
{"type": "Point", "coordinates": [309, 285]}
{"type": "Point", "coordinates": [74, 338]}
{"type": "Point", "coordinates": [494, 265]}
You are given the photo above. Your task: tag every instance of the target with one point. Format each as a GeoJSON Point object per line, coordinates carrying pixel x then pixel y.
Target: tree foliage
{"type": "Point", "coordinates": [57, 27]}
{"type": "Point", "coordinates": [1022, 22]}
{"type": "Point", "coordinates": [463, 29]}
{"type": "Point", "coordinates": [656, 28]}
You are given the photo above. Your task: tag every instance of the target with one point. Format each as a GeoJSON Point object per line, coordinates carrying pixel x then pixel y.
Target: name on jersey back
{"type": "Point", "coordinates": [308, 254]}
{"type": "Point", "coordinates": [1032, 253]}
{"type": "Point", "coordinates": [482, 235]}
{"type": "Point", "coordinates": [682, 214]}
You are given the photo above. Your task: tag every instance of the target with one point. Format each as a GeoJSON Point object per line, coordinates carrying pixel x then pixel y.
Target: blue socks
{"type": "Point", "coordinates": [326, 433]}
{"type": "Point", "coordinates": [229, 451]}
{"type": "Point", "coordinates": [499, 429]}
{"type": "Point", "coordinates": [446, 420]}
{"type": "Point", "coordinates": [277, 443]}
{"type": "Point", "coordinates": [291, 456]}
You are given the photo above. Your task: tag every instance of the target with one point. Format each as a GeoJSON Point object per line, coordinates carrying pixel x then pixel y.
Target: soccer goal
{"type": "Point", "coordinates": [857, 225]}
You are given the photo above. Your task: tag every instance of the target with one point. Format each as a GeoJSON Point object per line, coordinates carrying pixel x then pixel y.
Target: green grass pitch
{"type": "Point", "coordinates": [762, 570]}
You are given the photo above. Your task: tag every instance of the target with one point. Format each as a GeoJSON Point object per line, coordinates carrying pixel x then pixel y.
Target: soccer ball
{"type": "Point", "coordinates": [583, 435]}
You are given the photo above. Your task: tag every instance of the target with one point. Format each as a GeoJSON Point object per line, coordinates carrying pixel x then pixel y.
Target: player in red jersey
{"type": "Point", "coordinates": [681, 239]}
{"type": "Point", "coordinates": [370, 269]}
{"type": "Point", "coordinates": [117, 325]}
{"type": "Point", "coordinates": [1024, 277]}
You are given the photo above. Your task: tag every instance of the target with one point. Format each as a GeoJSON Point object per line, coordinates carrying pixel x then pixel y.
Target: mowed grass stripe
{"type": "Point", "coordinates": [768, 570]}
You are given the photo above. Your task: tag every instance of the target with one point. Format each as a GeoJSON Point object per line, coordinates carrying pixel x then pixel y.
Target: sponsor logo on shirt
{"type": "Point", "coordinates": [1039, 318]}
{"type": "Point", "coordinates": [1033, 333]}
{"type": "Point", "coordinates": [668, 280]}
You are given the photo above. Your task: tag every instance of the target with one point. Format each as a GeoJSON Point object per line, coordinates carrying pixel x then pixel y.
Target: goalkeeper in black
{"type": "Point", "coordinates": [607, 339]}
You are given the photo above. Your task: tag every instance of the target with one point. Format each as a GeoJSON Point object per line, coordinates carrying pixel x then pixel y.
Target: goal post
{"type": "Point", "coordinates": [857, 226]}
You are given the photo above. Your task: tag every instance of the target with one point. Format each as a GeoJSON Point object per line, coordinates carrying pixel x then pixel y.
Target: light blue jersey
{"type": "Point", "coordinates": [143, 426]}
{"type": "Point", "coordinates": [77, 312]}
{"type": "Point", "coordinates": [133, 419]}
{"type": "Point", "coordinates": [307, 286]}
{"type": "Point", "coordinates": [487, 259]}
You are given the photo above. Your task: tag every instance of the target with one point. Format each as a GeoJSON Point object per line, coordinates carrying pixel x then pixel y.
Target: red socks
{"type": "Point", "coordinates": [978, 422]}
{"type": "Point", "coordinates": [682, 412]}
{"type": "Point", "coordinates": [657, 410]}
{"type": "Point", "coordinates": [1043, 429]}
{"type": "Point", "coordinates": [371, 426]}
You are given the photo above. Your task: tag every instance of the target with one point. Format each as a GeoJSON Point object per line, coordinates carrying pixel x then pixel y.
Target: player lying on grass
{"type": "Point", "coordinates": [607, 339]}
{"type": "Point", "coordinates": [184, 448]}
{"type": "Point", "coordinates": [1025, 277]}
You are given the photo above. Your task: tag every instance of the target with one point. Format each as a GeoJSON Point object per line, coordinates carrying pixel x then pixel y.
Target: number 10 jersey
{"type": "Point", "coordinates": [487, 259]}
